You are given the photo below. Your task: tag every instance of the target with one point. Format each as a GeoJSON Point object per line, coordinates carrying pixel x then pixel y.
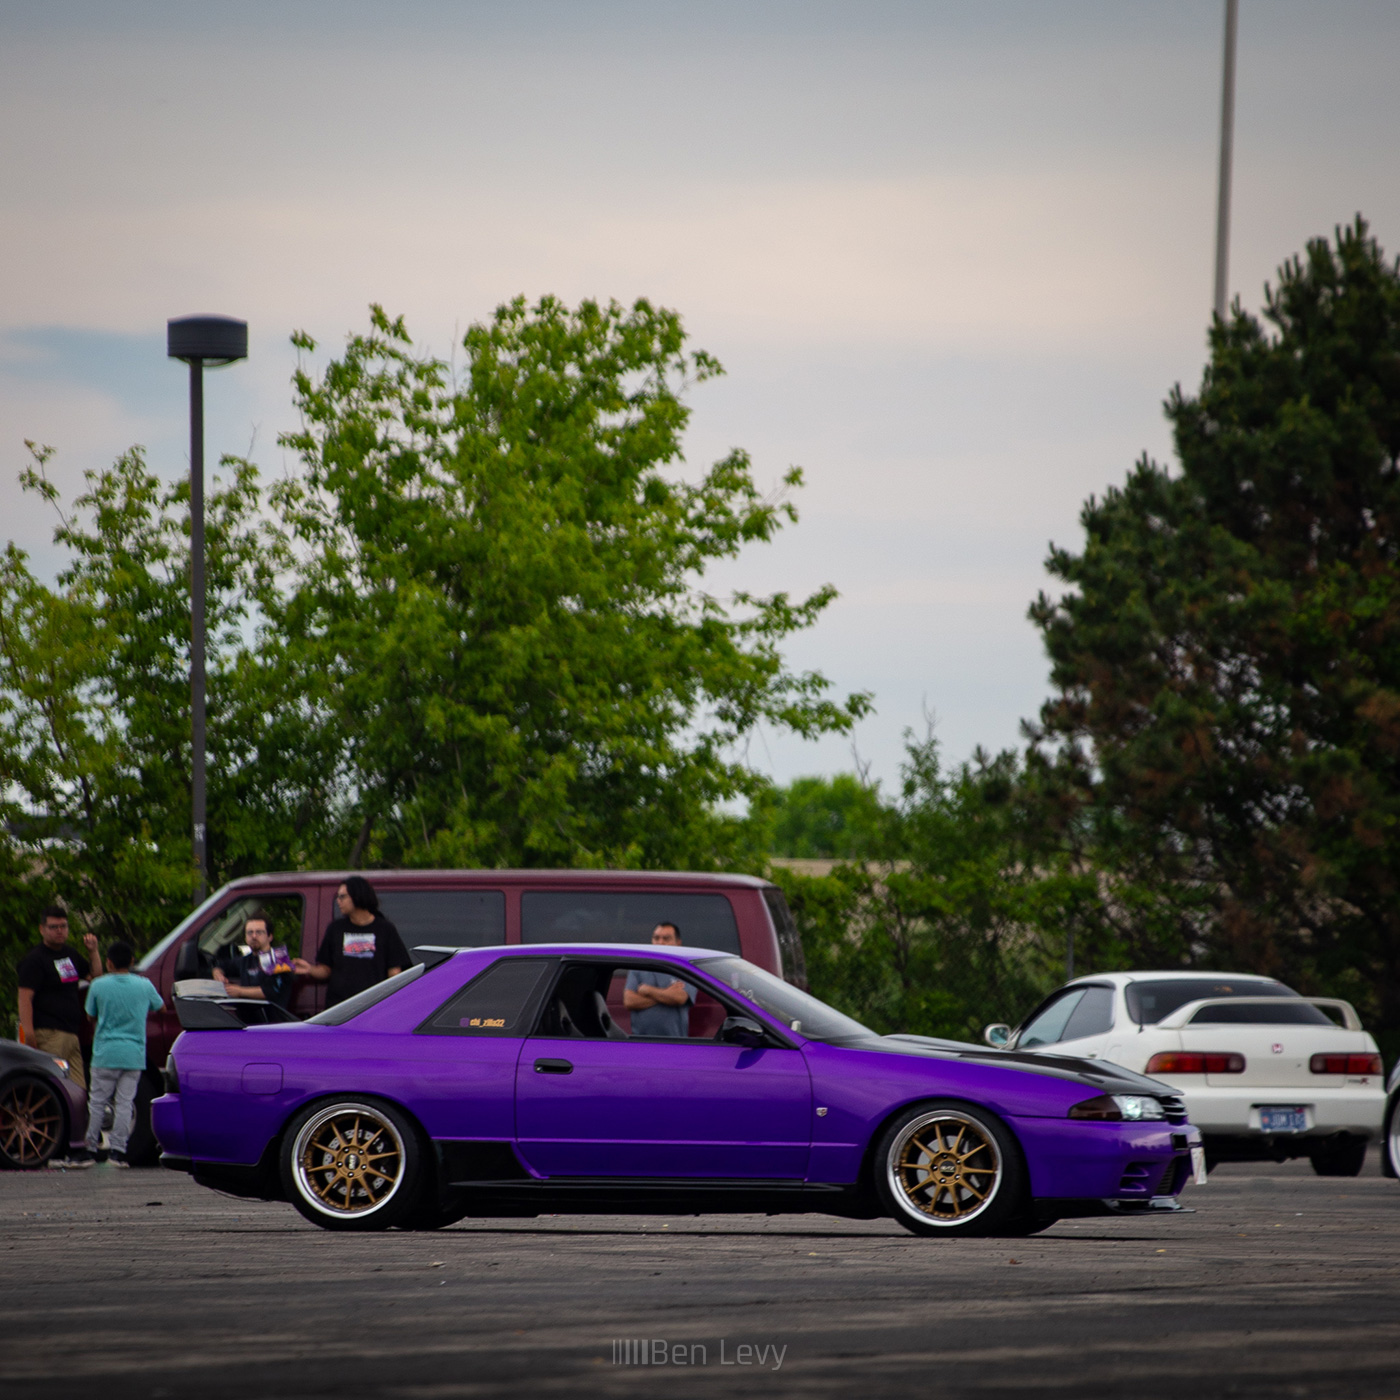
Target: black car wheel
{"type": "Point", "coordinates": [1390, 1139]}
{"type": "Point", "coordinates": [352, 1164]}
{"type": "Point", "coordinates": [1345, 1158]}
{"type": "Point", "coordinates": [951, 1169]}
{"type": "Point", "coordinates": [31, 1123]}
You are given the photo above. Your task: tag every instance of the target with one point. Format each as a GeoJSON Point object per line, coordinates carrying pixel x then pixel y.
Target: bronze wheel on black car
{"type": "Point", "coordinates": [31, 1123]}
{"type": "Point", "coordinates": [950, 1169]}
{"type": "Point", "coordinates": [352, 1164]}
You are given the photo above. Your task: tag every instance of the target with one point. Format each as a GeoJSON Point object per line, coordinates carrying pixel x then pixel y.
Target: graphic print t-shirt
{"type": "Point", "coordinates": [52, 974]}
{"type": "Point", "coordinates": [359, 955]}
{"type": "Point", "coordinates": [272, 971]}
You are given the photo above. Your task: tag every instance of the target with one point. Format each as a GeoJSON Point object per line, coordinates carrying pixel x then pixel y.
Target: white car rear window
{"type": "Point", "coordinates": [1149, 1001]}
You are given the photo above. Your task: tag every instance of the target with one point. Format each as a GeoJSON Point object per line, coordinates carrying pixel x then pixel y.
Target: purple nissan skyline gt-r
{"type": "Point", "coordinates": [510, 1081]}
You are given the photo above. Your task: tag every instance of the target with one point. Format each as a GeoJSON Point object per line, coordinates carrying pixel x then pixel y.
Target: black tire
{"type": "Point", "coordinates": [33, 1124]}
{"type": "Point", "coordinates": [1390, 1139]}
{"type": "Point", "coordinates": [932, 1182]}
{"type": "Point", "coordinates": [352, 1164]}
{"type": "Point", "coordinates": [1340, 1159]}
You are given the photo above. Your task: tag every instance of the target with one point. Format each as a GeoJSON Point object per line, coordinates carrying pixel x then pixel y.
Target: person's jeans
{"type": "Point", "coordinates": [109, 1085]}
{"type": "Point", "coordinates": [65, 1045]}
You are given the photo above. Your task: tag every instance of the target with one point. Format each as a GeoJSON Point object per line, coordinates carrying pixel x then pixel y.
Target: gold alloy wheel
{"type": "Point", "coordinates": [944, 1168]}
{"type": "Point", "coordinates": [30, 1123]}
{"type": "Point", "coordinates": [348, 1160]}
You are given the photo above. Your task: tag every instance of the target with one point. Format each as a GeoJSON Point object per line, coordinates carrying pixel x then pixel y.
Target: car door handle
{"type": "Point", "coordinates": [554, 1067]}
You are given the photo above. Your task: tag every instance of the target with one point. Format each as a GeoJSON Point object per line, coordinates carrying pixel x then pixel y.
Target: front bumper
{"type": "Point", "coordinates": [1136, 1163]}
{"type": "Point", "coordinates": [76, 1099]}
{"type": "Point", "coordinates": [1356, 1110]}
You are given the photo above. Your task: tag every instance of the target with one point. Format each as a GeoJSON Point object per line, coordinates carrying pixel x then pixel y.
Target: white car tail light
{"type": "Point", "coordinates": [1345, 1064]}
{"type": "Point", "coordinates": [1197, 1062]}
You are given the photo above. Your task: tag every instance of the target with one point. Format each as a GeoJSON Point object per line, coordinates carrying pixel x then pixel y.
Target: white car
{"type": "Point", "coordinates": [1266, 1074]}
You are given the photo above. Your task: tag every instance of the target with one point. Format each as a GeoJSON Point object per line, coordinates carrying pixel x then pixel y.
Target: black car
{"type": "Point", "coordinates": [43, 1114]}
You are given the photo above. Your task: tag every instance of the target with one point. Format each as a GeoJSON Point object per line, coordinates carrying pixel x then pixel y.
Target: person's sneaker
{"type": "Point", "coordinates": [118, 1159]}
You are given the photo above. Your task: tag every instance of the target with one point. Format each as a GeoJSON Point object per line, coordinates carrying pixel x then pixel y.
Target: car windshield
{"type": "Point", "coordinates": [1149, 1001]}
{"type": "Point", "coordinates": [796, 1010]}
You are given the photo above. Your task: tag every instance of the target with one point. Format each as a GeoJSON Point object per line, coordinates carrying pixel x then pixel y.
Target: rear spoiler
{"type": "Point", "coordinates": [228, 1013]}
{"type": "Point", "coordinates": [1178, 1018]}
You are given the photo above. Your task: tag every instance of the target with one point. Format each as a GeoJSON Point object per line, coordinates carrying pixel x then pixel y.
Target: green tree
{"type": "Point", "coordinates": [94, 706]}
{"type": "Point", "coordinates": [832, 818]}
{"type": "Point", "coordinates": [1226, 659]}
{"type": "Point", "coordinates": [959, 912]}
{"type": "Point", "coordinates": [498, 607]}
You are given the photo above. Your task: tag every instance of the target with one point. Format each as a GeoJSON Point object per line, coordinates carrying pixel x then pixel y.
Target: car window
{"type": "Point", "coordinates": [797, 1010]}
{"type": "Point", "coordinates": [1047, 1024]}
{"type": "Point", "coordinates": [351, 1007]}
{"type": "Point", "coordinates": [1283, 1013]}
{"type": "Point", "coordinates": [1093, 1015]}
{"type": "Point", "coordinates": [446, 918]}
{"type": "Point", "coordinates": [609, 916]}
{"type": "Point", "coordinates": [220, 940]}
{"type": "Point", "coordinates": [1152, 999]}
{"type": "Point", "coordinates": [589, 1001]}
{"type": "Point", "coordinates": [501, 1001]}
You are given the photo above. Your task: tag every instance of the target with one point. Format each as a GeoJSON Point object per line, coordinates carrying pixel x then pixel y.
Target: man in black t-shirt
{"type": "Point", "coordinates": [264, 972]}
{"type": "Point", "coordinates": [359, 949]}
{"type": "Point", "coordinates": [50, 1004]}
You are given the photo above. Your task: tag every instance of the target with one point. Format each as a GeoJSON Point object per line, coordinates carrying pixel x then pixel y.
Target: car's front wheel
{"type": "Point", "coordinates": [950, 1169]}
{"type": "Point", "coordinates": [352, 1164]}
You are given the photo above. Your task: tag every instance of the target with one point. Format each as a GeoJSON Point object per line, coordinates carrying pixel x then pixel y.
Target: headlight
{"type": "Point", "coordinates": [1120, 1108]}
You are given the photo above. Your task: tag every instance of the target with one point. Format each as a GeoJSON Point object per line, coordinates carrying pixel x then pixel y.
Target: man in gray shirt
{"type": "Point", "coordinates": [660, 1004]}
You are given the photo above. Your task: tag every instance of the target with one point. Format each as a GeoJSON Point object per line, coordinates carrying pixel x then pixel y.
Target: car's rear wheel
{"type": "Point", "coordinates": [1344, 1158]}
{"type": "Point", "coordinates": [951, 1169]}
{"type": "Point", "coordinates": [352, 1164]}
{"type": "Point", "coordinates": [31, 1123]}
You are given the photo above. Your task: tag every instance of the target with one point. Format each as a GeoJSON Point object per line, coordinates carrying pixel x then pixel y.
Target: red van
{"type": "Point", "coordinates": [467, 909]}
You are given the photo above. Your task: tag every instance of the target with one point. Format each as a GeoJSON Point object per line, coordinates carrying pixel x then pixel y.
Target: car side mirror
{"type": "Point", "coordinates": [997, 1035]}
{"type": "Point", "coordinates": [742, 1030]}
{"type": "Point", "coordinates": [187, 961]}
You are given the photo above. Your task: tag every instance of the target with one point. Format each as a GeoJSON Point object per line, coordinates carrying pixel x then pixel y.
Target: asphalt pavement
{"type": "Point", "coordinates": [140, 1284]}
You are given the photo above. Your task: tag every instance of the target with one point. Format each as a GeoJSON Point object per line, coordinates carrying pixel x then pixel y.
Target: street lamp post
{"type": "Point", "coordinates": [200, 341]}
{"type": "Point", "coordinates": [1227, 154]}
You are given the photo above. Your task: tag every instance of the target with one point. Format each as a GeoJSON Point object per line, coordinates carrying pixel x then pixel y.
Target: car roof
{"type": "Point", "coordinates": [1122, 979]}
{"type": "Point", "coordinates": [609, 879]}
{"type": "Point", "coordinates": [631, 950]}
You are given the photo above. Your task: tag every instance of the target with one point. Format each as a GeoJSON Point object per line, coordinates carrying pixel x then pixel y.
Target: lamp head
{"type": "Point", "coordinates": [216, 340]}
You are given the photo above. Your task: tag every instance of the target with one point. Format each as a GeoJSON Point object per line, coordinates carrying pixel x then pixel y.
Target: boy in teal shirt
{"type": "Point", "coordinates": [121, 1002]}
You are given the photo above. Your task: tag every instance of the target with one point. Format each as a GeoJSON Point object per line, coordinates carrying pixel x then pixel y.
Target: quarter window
{"type": "Point", "coordinates": [500, 1001]}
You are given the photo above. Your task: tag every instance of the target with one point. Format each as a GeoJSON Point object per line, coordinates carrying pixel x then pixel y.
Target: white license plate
{"type": "Point", "coordinates": [1283, 1120]}
{"type": "Point", "coordinates": [1198, 1165]}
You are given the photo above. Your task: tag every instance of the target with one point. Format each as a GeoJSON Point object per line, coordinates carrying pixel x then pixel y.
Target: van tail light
{"type": "Point", "coordinates": [1195, 1062]}
{"type": "Point", "coordinates": [1345, 1064]}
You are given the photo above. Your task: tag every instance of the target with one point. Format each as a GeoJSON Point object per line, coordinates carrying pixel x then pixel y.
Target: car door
{"type": "Point", "coordinates": [590, 1103]}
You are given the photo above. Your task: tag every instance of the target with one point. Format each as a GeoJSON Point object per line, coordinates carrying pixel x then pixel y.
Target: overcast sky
{"type": "Point", "coordinates": [952, 256]}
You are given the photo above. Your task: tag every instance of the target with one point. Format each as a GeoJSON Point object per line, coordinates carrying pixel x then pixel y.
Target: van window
{"type": "Point", "coordinates": [220, 941]}
{"type": "Point", "coordinates": [447, 918]}
{"type": "Point", "coordinates": [610, 916]}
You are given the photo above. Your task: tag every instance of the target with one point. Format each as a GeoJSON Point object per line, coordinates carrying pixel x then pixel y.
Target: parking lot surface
{"type": "Point", "coordinates": [139, 1283]}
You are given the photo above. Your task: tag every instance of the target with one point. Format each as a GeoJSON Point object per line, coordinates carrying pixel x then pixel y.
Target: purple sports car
{"type": "Point", "coordinates": [510, 1081]}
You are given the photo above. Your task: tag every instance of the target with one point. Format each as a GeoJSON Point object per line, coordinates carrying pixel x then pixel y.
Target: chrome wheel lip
{"type": "Point", "coordinates": [312, 1126]}
{"type": "Point", "coordinates": [896, 1185]}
